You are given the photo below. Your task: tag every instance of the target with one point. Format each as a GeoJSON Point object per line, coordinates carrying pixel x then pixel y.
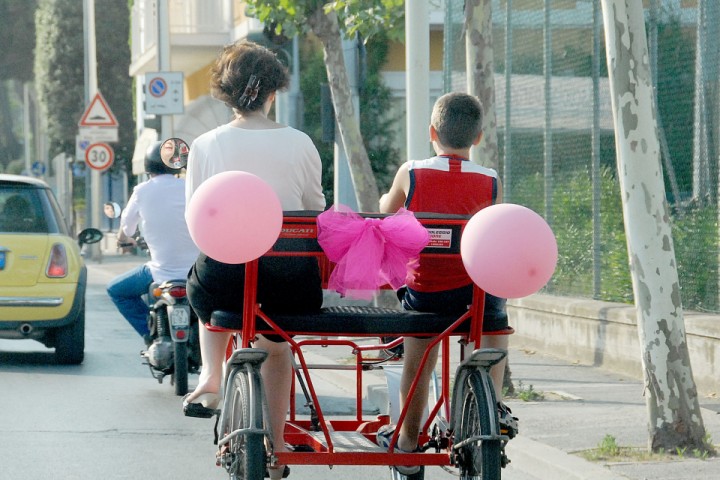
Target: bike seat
{"type": "Point", "coordinates": [347, 320]}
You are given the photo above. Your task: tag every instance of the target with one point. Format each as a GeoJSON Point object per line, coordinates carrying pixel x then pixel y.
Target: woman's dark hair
{"type": "Point", "coordinates": [245, 74]}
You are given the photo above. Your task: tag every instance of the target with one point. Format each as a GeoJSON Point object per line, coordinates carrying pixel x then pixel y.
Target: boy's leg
{"type": "Point", "coordinates": [497, 371]}
{"type": "Point", "coordinates": [508, 422]}
{"type": "Point", "coordinates": [414, 350]}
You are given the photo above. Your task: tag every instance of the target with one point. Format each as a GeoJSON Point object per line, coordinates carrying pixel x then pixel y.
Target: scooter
{"type": "Point", "coordinates": [174, 347]}
{"type": "Point", "coordinates": [173, 341]}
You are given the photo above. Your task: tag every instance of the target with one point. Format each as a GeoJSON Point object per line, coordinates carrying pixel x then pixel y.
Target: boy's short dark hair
{"type": "Point", "coordinates": [457, 118]}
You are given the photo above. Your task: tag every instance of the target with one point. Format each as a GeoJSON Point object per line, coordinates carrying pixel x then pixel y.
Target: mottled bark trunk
{"type": "Point", "coordinates": [480, 72]}
{"type": "Point", "coordinates": [326, 27]}
{"type": "Point", "coordinates": [674, 411]}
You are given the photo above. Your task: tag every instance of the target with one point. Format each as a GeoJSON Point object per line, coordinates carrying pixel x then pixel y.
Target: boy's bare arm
{"type": "Point", "coordinates": [392, 201]}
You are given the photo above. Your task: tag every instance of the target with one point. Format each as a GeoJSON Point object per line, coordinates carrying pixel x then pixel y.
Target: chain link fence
{"type": "Point", "coordinates": [556, 139]}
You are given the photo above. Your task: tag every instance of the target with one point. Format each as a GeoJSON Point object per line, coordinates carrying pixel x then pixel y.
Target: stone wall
{"type": "Point", "coordinates": [605, 334]}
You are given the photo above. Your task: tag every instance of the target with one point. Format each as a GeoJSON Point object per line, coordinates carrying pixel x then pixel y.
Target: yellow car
{"type": "Point", "coordinates": [42, 273]}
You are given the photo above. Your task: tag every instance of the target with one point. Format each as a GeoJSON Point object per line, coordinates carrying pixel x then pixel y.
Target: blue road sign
{"type": "Point", "coordinates": [38, 168]}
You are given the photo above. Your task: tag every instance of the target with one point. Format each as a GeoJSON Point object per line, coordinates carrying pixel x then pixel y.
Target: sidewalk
{"type": "Point", "coordinates": [581, 406]}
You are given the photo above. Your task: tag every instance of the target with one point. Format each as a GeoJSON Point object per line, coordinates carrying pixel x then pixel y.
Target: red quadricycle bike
{"type": "Point", "coordinates": [462, 431]}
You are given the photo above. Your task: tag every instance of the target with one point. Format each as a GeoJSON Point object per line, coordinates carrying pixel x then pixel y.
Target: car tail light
{"type": "Point", "coordinates": [58, 264]}
{"type": "Point", "coordinates": [178, 292]}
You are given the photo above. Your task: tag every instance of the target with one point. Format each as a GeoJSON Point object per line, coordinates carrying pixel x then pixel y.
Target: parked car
{"type": "Point", "coordinates": [42, 273]}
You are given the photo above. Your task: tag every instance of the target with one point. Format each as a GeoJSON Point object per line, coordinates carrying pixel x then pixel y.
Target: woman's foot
{"type": "Point", "coordinates": [203, 405]}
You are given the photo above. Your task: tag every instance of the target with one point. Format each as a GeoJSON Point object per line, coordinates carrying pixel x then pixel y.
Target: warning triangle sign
{"type": "Point", "coordinates": [98, 114]}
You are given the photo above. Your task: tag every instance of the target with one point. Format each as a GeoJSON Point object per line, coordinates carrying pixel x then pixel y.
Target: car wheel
{"type": "Point", "coordinates": [70, 341]}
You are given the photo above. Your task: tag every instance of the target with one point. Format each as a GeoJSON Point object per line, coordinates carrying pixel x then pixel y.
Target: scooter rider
{"type": "Point", "coordinates": [157, 206]}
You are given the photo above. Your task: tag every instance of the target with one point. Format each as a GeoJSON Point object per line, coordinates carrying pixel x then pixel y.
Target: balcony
{"type": "Point", "coordinates": [198, 29]}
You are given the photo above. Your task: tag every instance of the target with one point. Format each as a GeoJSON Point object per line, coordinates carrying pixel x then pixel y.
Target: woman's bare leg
{"type": "Point", "coordinates": [213, 346]}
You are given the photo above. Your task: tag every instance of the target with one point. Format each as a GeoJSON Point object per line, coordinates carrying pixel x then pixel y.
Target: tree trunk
{"type": "Point", "coordinates": [479, 59]}
{"type": "Point", "coordinates": [675, 419]}
{"type": "Point", "coordinates": [326, 27]}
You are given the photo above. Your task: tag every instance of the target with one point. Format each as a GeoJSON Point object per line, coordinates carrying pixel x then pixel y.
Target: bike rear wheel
{"type": "Point", "coordinates": [247, 450]}
{"type": "Point", "coordinates": [481, 459]}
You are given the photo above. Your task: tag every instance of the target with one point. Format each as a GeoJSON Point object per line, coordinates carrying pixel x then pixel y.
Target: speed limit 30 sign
{"type": "Point", "coordinates": [99, 156]}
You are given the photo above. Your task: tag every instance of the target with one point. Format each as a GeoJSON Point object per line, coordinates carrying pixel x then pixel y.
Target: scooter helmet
{"type": "Point", "coordinates": [154, 164]}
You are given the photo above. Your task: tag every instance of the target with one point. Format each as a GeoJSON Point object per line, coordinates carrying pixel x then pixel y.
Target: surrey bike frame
{"type": "Point", "coordinates": [320, 440]}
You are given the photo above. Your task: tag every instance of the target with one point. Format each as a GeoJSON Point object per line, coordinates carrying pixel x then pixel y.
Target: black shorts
{"type": "Point", "coordinates": [285, 285]}
{"type": "Point", "coordinates": [456, 302]}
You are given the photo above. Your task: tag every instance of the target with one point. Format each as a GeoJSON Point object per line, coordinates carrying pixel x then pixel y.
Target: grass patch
{"type": "Point", "coordinates": [526, 393]}
{"type": "Point", "coordinates": [608, 450]}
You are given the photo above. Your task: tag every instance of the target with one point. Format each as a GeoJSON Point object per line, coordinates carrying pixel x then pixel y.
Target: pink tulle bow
{"type": "Point", "coordinates": [369, 252]}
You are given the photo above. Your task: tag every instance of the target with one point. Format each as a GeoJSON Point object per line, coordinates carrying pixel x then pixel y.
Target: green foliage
{"type": "Point", "coordinates": [675, 87]}
{"type": "Point", "coordinates": [17, 37]}
{"type": "Point", "coordinates": [113, 58]}
{"type": "Point", "coordinates": [694, 239]}
{"type": "Point", "coordinates": [60, 70]}
{"type": "Point", "coordinates": [572, 225]}
{"type": "Point", "coordinates": [608, 446]}
{"type": "Point", "coordinates": [363, 17]}
{"type": "Point", "coordinates": [376, 122]}
{"type": "Point", "coordinates": [524, 393]}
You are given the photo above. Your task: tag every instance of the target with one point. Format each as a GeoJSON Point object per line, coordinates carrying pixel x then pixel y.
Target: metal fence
{"type": "Point", "coordinates": [556, 140]}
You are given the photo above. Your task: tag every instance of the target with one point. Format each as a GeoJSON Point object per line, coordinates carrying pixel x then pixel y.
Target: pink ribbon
{"type": "Point", "coordinates": [369, 252]}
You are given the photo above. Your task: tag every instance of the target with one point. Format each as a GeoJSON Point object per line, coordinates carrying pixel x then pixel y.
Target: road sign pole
{"type": "Point", "coordinates": [92, 196]}
{"type": "Point", "coordinates": [166, 121]}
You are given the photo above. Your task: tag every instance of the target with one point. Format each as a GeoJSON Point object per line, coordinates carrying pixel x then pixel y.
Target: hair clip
{"type": "Point", "coordinates": [251, 91]}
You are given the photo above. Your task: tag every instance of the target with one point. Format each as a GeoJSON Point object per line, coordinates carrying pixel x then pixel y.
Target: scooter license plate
{"type": "Point", "coordinates": [180, 317]}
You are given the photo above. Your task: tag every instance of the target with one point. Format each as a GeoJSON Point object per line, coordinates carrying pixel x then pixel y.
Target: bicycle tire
{"type": "Point", "coordinates": [248, 449]}
{"type": "Point", "coordinates": [479, 460]}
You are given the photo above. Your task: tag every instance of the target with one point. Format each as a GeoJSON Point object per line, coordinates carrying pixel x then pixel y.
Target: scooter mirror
{"type": "Point", "coordinates": [174, 153]}
{"type": "Point", "coordinates": [112, 210]}
{"type": "Point", "coordinates": [89, 236]}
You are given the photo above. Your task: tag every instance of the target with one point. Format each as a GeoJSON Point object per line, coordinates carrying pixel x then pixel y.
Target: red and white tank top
{"type": "Point", "coordinates": [447, 184]}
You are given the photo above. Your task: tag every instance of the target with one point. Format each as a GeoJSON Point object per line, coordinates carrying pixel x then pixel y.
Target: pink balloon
{"type": "Point", "coordinates": [508, 250]}
{"type": "Point", "coordinates": [234, 217]}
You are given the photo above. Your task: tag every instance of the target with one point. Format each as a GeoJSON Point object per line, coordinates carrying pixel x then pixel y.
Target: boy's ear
{"type": "Point", "coordinates": [433, 134]}
{"type": "Point", "coordinates": [478, 138]}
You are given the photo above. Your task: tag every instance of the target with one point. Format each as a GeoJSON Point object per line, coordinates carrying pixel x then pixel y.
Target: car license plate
{"type": "Point", "coordinates": [180, 317]}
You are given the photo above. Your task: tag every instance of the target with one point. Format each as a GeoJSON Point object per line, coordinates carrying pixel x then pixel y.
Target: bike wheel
{"type": "Point", "coordinates": [247, 450]}
{"type": "Point", "coordinates": [478, 460]}
{"type": "Point", "coordinates": [180, 368]}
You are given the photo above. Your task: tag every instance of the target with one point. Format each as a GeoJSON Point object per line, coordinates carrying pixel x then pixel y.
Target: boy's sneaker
{"type": "Point", "coordinates": [408, 472]}
{"type": "Point", "coordinates": [508, 423]}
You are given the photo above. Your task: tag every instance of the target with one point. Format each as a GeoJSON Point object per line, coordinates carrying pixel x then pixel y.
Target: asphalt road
{"type": "Point", "coordinates": [109, 419]}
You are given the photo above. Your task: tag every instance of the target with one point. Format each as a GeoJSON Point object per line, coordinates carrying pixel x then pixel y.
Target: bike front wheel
{"type": "Point", "coordinates": [480, 457]}
{"type": "Point", "coordinates": [247, 449]}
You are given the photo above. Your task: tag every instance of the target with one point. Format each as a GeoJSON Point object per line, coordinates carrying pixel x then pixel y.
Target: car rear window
{"type": "Point", "coordinates": [27, 209]}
